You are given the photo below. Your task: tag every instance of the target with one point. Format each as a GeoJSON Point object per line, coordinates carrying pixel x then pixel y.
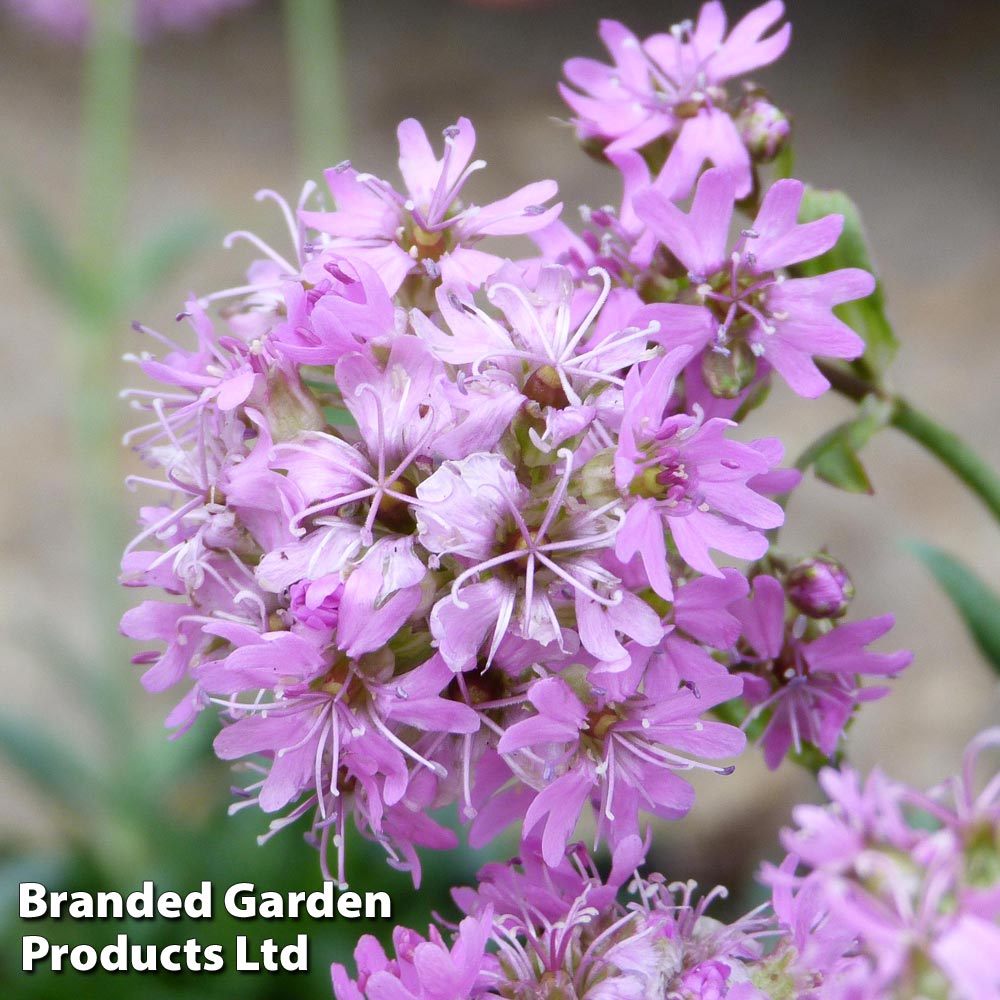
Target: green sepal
{"type": "Point", "coordinates": [783, 165]}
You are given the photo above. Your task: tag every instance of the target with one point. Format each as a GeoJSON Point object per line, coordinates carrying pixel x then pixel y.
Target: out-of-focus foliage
{"type": "Point", "coordinates": [976, 602]}
{"type": "Point", "coordinates": [156, 814]}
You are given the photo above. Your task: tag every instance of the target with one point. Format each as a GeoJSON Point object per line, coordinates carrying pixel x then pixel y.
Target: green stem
{"type": "Point", "coordinates": [952, 452]}
{"type": "Point", "coordinates": [942, 443]}
{"type": "Point", "coordinates": [108, 90]}
{"type": "Point", "coordinates": [315, 64]}
{"type": "Point", "coordinates": [107, 138]}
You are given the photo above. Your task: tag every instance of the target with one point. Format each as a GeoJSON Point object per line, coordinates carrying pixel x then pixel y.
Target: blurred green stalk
{"type": "Point", "coordinates": [316, 69]}
{"type": "Point", "coordinates": [108, 95]}
{"type": "Point", "coordinates": [109, 83]}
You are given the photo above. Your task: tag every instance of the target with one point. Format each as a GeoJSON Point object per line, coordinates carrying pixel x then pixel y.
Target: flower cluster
{"type": "Point", "coordinates": [891, 893]}
{"type": "Point", "coordinates": [800, 672]}
{"type": "Point", "coordinates": [70, 20]}
{"type": "Point", "coordinates": [537, 930]}
{"type": "Point", "coordinates": [666, 95]}
{"type": "Point", "coordinates": [899, 897]}
{"type": "Point", "coordinates": [440, 525]}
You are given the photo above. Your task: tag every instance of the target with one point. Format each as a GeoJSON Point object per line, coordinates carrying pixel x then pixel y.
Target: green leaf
{"type": "Point", "coordinates": [813, 759]}
{"type": "Point", "coordinates": [838, 464]}
{"type": "Point", "coordinates": [337, 416]}
{"type": "Point", "coordinates": [835, 455]}
{"type": "Point", "coordinates": [47, 256]}
{"type": "Point", "coordinates": [976, 602]}
{"type": "Point", "coordinates": [49, 765]}
{"type": "Point", "coordinates": [100, 690]}
{"type": "Point", "coordinates": [161, 254]}
{"type": "Point", "coordinates": [866, 316]}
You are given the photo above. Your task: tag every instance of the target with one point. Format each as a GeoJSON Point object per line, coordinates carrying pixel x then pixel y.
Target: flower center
{"type": "Point", "coordinates": [666, 477]}
{"type": "Point", "coordinates": [737, 296]}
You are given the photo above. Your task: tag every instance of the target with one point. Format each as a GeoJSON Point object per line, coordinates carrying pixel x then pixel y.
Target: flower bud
{"type": "Point", "coordinates": [763, 127]}
{"type": "Point", "coordinates": [597, 479]}
{"type": "Point", "coordinates": [820, 587]}
{"type": "Point", "coordinates": [727, 373]}
{"type": "Point", "coordinates": [545, 388]}
{"type": "Point", "coordinates": [290, 408]}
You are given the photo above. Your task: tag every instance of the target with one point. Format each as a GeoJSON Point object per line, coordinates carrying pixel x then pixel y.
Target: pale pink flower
{"type": "Point", "coordinates": [672, 86]}
{"type": "Point", "coordinates": [428, 229]}
{"type": "Point", "coordinates": [744, 289]}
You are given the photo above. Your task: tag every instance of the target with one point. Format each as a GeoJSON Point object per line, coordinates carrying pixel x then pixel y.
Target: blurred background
{"type": "Point", "coordinates": [893, 101]}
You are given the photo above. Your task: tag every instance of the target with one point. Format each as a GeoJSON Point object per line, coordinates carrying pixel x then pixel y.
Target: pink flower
{"type": "Point", "coordinates": [330, 735]}
{"type": "Point", "coordinates": [424, 969]}
{"type": "Point", "coordinates": [346, 308]}
{"type": "Point", "coordinates": [428, 230]}
{"type": "Point", "coordinates": [889, 903]}
{"type": "Point", "coordinates": [563, 927]}
{"type": "Point", "coordinates": [560, 928]}
{"type": "Point", "coordinates": [621, 755]}
{"type": "Point", "coordinates": [562, 346]}
{"type": "Point", "coordinates": [672, 85]}
{"type": "Point", "coordinates": [617, 241]}
{"type": "Point", "coordinates": [70, 20]}
{"type": "Point", "coordinates": [680, 474]}
{"type": "Point", "coordinates": [810, 689]}
{"type": "Point", "coordinates": [744, 291]}
{"type": "Point", "coordinates": [537, 557]}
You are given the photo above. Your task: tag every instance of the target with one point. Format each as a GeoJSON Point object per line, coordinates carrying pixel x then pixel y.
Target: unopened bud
{"type": "Point", "coordinates": [763, 127]}
{"type": "Point", "coordinates": [820, 587]}
{"type": "Point", "coordinates": [545, 388]}
{"type": "Point", "coordinates": [727, 372]}
{"type": "Point", "coordinates": [597, 479]}
{"type": "Point", "coordinates": [290, 407]}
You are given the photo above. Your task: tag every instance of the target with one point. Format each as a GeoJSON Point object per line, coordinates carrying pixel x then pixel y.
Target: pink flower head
{"type": "Point", "coordinates": [71, 20]}
{"type": "Point", "coordinates": [424, 968]}
{"type": "Point", "coordinates": [885, 905]}
{"type": "Point", "coordinates": [428, 230]}
{"type": "Point", "coordinates": [438, 528]}
{"type": "Point", "coordinates": [622, 756]}
{"type": "Point", "coordinates": [810, 688]}
{"type": "Point", "coordinates": [745, 292]}
{"type": "Point", "coordinates": [519, 561]}
{"type": "Point", "coordinates": [682, 475]}
{"type": "Point", "coordinates": [560, 929]}
{"type": "Point", "coordinates": [672, 86]}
